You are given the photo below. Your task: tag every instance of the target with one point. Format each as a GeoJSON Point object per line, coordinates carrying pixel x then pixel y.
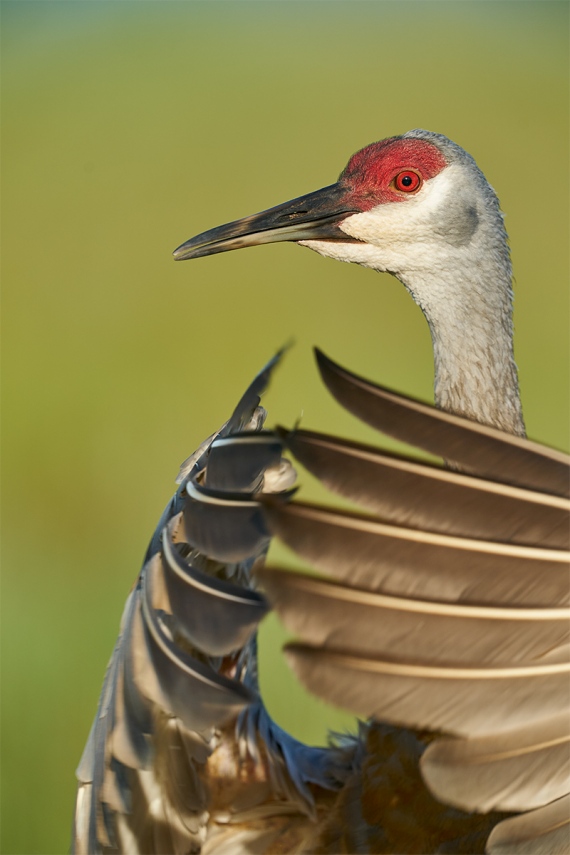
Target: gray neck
{"type": "Point", "coordinates": [470, 319]}
{"type": "Point", "coordinates": [468, 301]}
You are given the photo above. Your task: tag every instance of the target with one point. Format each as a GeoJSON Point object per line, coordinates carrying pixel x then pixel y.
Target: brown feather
{"type": "Point", "coordinates": [545, 831]}
{"type": "Point", "coordinates": [459, 700]}
{"type": "Point", "coordinates": [365, 553]}
{"type": "Point", "coordinates": [332, 616]}
{"type": "Point", "coordinates": [520, 770]}
{"type": "Point", "coordinates": [474, 447]}
{"type": "Point", "coordinates": [406, 492]}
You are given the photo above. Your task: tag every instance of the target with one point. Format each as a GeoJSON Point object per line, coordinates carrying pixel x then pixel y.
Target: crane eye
{"type": "Point", "coordinates": [407, 182]}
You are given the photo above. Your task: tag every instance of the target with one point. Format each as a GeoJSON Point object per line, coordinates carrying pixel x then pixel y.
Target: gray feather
{"type": "Point", "coordinates": [238, 462]}
{"type": "Point", "coordinates": [194, 692]}
{"type": "Point", "coordinates": [249, 401]}
{"type": "Point", "coordinates": [225, 527]}
{"type": "Point", "coordinates": [215, 616]}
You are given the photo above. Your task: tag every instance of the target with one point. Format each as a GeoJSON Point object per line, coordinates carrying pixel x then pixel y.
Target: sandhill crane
{"type": "Point", "coordinates": [441, 612]}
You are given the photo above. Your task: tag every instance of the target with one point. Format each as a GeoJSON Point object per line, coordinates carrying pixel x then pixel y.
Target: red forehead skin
{"type": "Point", "coordinates": [370, 172]}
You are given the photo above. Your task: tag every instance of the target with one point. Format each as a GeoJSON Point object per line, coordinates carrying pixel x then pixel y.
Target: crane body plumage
{"type": "Point", "coordinates": [442, 613]}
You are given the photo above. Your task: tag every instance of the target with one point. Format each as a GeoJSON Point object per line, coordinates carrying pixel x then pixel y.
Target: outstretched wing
{"type": "Point", "coordinates": [445, 607]}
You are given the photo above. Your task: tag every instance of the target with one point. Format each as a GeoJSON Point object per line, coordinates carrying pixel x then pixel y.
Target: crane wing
{"type": "Point", "coordinates": [170, 761]}
{"type": "Point", "coordinates": [445, 607]}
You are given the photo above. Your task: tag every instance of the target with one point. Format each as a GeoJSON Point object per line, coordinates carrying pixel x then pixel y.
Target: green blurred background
{"type": "Point", "coordinates": [127, 128]}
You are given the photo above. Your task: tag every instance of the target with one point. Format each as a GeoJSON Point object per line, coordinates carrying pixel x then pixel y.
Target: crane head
{"type": "Point", "coordinates": [394, 199]}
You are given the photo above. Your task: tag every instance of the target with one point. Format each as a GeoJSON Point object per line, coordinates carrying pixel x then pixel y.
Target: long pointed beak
{"type": "Point", "coordinates": [315, 216]}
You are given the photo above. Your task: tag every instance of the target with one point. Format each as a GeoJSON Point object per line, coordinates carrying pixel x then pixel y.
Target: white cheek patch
{"type": "Point", "coordinates": [408, 221]}
{"type": "Point", "coordinates": [402, 237]}
{"type": "Point", "coordinates": [359, 253]}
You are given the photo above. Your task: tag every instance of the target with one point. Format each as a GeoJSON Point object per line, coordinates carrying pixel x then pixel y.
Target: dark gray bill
{"type": "Point", "coordinates": [312, 217]}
